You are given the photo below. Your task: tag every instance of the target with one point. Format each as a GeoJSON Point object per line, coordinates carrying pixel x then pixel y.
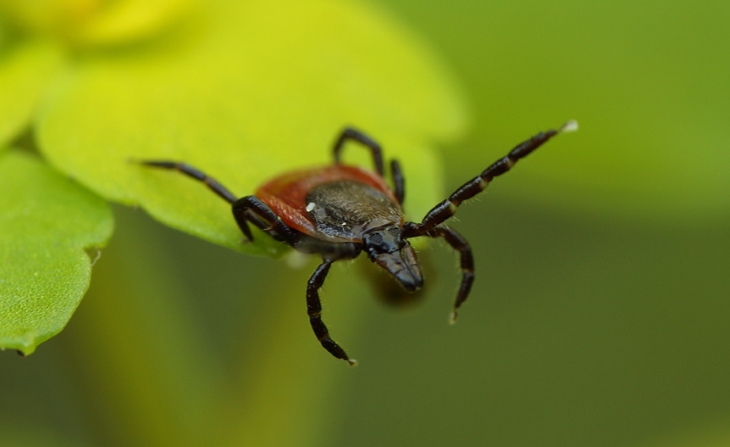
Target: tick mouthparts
{"type": "Point", "coordinates": [404, 267]}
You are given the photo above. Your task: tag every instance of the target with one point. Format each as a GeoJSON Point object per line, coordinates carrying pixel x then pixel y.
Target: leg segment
{"type": "Point", "coordinates": [261, 224]}
{"type": "Point", "coordinates": [398, 180]}
{"type": "Point", "coordinates": [314, 309]}
{"type": "Point", "coordinates": [448, 207]}
{"type": "Point", "coordinates": [459, 244]}
{"type": "Point", "coordinates": [248, 208]}
{"type": "Point", "coordinates": [190, 171]}
{"type": "Point", "coordinates": [251, 209]}
{"type": "Point", "coordinates": [353, 134]}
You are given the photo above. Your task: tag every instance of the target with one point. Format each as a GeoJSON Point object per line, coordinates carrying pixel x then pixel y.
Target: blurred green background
{"type": "Point", "coordinates": [601, 308]}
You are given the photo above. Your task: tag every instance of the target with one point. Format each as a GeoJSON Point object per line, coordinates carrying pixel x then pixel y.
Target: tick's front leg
{"type": "Point", "coordinates": [314, 309]}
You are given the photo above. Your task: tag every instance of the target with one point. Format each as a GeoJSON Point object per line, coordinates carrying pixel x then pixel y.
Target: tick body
{"type": "Point", "coordinates": [340, 211]}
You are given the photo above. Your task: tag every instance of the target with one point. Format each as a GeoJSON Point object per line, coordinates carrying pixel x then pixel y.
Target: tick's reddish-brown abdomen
{"type": "Point", "coordinates": [286, 194]}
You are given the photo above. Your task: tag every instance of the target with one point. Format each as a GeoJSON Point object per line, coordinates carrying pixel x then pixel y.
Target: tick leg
{"type": "Point", "coordinates": [448, 207]}
{"type": "Point", "coordinates": [251, 208]}
{"type": "Point", "coordinates": [398, 181]}
{"type": "Point", "coordinates": [353, 134]}
{"type": "Point", "coordinates": [314, 309]}
{"type": "Point", "coordinates": [459, 244]}
{"type": "Point", "coordinates": [262, 225]}
{"type": "Point", "coordinates": [190, 171]}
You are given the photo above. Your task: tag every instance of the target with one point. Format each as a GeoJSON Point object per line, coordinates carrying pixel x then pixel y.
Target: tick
{"type": "Point", "coordinates": [339, 211]}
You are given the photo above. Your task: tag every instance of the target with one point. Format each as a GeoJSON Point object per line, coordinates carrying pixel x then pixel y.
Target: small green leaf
{"type": "Point", "coordinates": [244, 92]}
{"type": "Point", "coordinates": [46, 223]}
{"type": "Point", "coordinates": [25, 69]}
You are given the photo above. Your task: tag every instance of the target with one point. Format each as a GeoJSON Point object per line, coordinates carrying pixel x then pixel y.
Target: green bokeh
{"type": "Point", "coordinates": [646, 80]}
{"type": "Point", "coordinates": [598, 317]}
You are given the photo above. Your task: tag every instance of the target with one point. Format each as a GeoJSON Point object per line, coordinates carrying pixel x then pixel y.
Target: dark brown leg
{"type": "Point", "coordinates": [459, 244]}
{"type": "Point", "coordinates": [353, 134]}
{"type": "Point", "coordinates": [250, 208]}
{"type": "Point", "coordinates": [190, 171]}
{"type": "Point", "coordinates": [398, 181]}
{"type": "Point", "coordinates": [448, 207]}
{"type": "Point", "coordinates": [262, 225]}
{"type": "Point", "coordinates": [314, 309]}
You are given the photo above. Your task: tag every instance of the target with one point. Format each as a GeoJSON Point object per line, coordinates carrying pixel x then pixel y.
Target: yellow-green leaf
{"type": "Point", "coordinates": [87, 23]}
{"type": "Point", "coordinates": [46, 223]}
{"type": "Point", "coordinates": [25, 69]}
{"type": "Point", "coordinates": [244, 91]}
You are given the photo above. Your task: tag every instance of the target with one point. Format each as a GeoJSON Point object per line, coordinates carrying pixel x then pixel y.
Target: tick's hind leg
{"type": "Point", "coordinates": [353, 134]}
{"type": "Point", "coordinates": [190, 171]}
{"type": "Point", "coordinates": [314, 309]}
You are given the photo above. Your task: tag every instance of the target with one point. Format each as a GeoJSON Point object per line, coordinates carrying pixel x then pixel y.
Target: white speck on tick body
{"type": "Point", "coordinates": [310, 207]}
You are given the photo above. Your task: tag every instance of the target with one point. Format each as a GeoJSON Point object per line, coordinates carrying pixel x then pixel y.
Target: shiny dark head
{"type": "Point", "coordinates": [390, 251]}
